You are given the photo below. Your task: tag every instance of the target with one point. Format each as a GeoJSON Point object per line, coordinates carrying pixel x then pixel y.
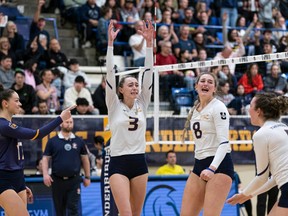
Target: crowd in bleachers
{"type": "Point", "coordinates": [187, 30]}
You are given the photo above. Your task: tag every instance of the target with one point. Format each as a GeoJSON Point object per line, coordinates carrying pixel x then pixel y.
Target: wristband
{"type": "Point", "coordinates": [208, 168]}
{"type": "Point", "coordinates": [87, 177]}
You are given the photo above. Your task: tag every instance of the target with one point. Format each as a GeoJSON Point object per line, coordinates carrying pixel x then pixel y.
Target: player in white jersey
{"type": "Point", "coordinates": [209, 184]}
{"type": "Point", "coordinates": [271, 149]}
{"type": "Point", "coordinates": [128, 169]}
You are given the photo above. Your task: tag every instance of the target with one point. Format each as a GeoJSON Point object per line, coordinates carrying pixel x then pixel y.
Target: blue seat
{"type": "Point", "coordinates": [181, 97]}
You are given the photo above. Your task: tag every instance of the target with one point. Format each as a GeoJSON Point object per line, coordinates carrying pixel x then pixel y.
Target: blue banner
{"type": "Point", "coordinates": [170, 129]}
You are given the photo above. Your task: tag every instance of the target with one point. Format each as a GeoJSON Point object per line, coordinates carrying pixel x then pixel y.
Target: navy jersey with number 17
{"type": "Point", "coordinates": [11, 151]}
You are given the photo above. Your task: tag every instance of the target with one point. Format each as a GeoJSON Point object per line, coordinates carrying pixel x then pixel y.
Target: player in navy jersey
{"type": "Point", "coordinates": [271, 149]}
{"type": "Point", "coordinates": [128, 171]}
{"type": "Point", "coordinates": [210, 181]}
{"type": "Point", "coordinates": [13, 197]}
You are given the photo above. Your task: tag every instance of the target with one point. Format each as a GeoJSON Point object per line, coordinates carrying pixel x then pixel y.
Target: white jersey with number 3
{"type": "Point", "coordinates": [128, 126]}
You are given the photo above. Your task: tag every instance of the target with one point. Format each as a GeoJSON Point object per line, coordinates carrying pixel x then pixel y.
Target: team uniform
{"type": "Point", "coordinates": [210, 129]}
{"type": "Point", "coordinates": [271, 146]}
{"type": "Point", "coordinates": [66, 166]}
{"type": "Point", "coordinates": [170, 170]}
{"type": "Point", "coordinates": [128, 126]}
{"type": "Point", "coordinates": [11, 152]}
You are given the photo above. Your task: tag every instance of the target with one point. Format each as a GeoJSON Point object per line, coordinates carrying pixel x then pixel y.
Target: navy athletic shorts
{"type": "Point", "coordinates": [12, 180]}
{"type": "Point", "coordinates": [226, 166]}
{"type": "Point", "coordinates": [283, 200]}
{"type": "Point", "coordinates": [130, 166]}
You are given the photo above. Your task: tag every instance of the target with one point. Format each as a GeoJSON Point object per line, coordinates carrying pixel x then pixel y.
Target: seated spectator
{"type": "Point", "coordinates": [166, 34]}
{"type": "Point", "coordinates": [185, 43]}
{"type": "Point", "coordinates": [166, 17]}
{"type": "Point", "coordinates": [115, 6]}
{"type": "Point", "coordinates": [202, 56]}
{"type": "Point", "coordinates": [42, 108]}
{"type": "Point", "coordinates": [89, 17]}
{"type": "Point", "coordinates": [224, 95]}
{"type": "Point", "coordinates": [57, 81]}
{"type": "Point", "coordinates": [26, 93]}
{"type": "Point", "coordinates": [46, 91]}
{"type": "Point", "coordinates": [33, 51]}
{"type": "Point", "coordinates": [98, 97]}
{"type": "Point", "coordinates": [82, 107]}
{"type": "Point", "coordinates": [149, 6]}
{"type": "Point", "coordinates": [6, 72]}
{"type": "Point", "coordinates": [5, 50]}
{"type": "Point", "coordinates": [127, 31]}
{"type": "Point", "coordinates": [129, 9]}
{"type": "Point", "coordinates": [54, 57]}
{"type": "Point", "coordinates": [168, 79]}
{"type": "Point", "coordinates": [275, 82]}
{"type": "Point", "coordinates": [240, 104]}
{"type": "Point", "coordinates": [96, 170]}
{"type": "Point", "coordinates": [102, 39]}
{"type": "Point", "coordinates": [39, 168]}
{"type": "Point", "coordinates": [78, 90]}
{"type": "Point", "coordinates": [38, 24]}
{"type": "Point", "coordinates": [71, 72]}
{"type": "Point", "coordinates": [171, 168]}
{"type": "Point", "coordinates": [232, 80]}
{"type": "Point", "coordinates": [252, 80]}
{"type": "Point", "coordinates": [99, 145]}
{"type": "Point", "coordinates": [16, 40]}
{"type": "Point", "coordinates": [31, 74]}
{"type": "Point", "coordinates": [71, 11]}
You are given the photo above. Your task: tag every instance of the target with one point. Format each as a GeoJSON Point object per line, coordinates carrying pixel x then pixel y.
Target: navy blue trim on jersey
{"type": "Point", "coordinates": [11, 151]}
{"type": "Point", "coordinates": [10, 129]}
{"type": "Point", "coordinates": [130, 166]}
{"type": "Point", "coordinates": [226, 142]}
{"type": "Point", "coordinates": [12, 180]}
{"type": "Point", "coordinates": [108, 84]}
{"type": "Point", "coordinates": [263, 171]}
{"type": "Point", "coordinates": [283, 200]}
{"type": "Point", "coordinates": [225, 167]}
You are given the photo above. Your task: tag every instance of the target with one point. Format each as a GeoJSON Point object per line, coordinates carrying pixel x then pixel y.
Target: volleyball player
{"type": "Point", "coordinates": [13, 197]}
{"type": "Point", "coordinates": [271, 149]}
{"type": "Point", "coordinates": [210, 181]}
{"type": "Point", "coordinates": [128, 172]}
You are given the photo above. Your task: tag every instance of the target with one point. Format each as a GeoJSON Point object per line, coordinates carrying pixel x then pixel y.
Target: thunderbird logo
{"type": "Point", "coordinates": [159, 202]}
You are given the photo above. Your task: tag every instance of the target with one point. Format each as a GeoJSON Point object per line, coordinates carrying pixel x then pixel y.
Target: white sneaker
{"type": "Point", "coordinates": [87, 45]}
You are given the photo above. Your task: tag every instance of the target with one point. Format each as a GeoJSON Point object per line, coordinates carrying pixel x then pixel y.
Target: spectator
{"type": "Point", "coordinates": [26, 93]}
{"type": "Point", "coordinates": [16, 40]}
{"type": "Point", "coordinates": [98, 97]}
{"type": "Point", "coordinates": [230, 8]}
{"type": "Point", "coordinates": [128, 9]}
{"type": "Point", "coordinates": [33, 51]}
{"type": "Point", "coordinates": [183, 4]}
{"type": "Point", "coordinates": [78, 90]}
{"type": "Point", "coordinates": [249, 9]}
{"type": "Point", "coordinates": [172, 6]}
{"type": "Point", "coordinates": [115, 6]}
{"type": "Point", "coordinates": [31, 74]}
{"type": "Point", "coordinates": [171, 168]}
{"type": "Point", "coordinates": [224, 95]}
{"type": "Point", "coordinates": [54, 57]}
{"type": "Point", "coordinates": [275, 82]}
{"type": "Point", "coordinates": [67, 152]}
{"type": "Point", "coordinates": [42, 108]}
{"type": "Point", "coordinates": [5, 50]}
{"type": "Point", "coordinates": [90, 14]}
{"type": "Point", "coordinates": [46, 91]}
{"type": "Point", "coordinates": [102, 39]}
{"type": "Point", "coordinates": [96, 170]}
{"type": "Point", "coordinates": [232, 80]}
{"type": "Point", "coordinates": [166, 33]}
{"type": "Point", "coordinates": [279, 24]}
{"type": "Point", "coordinates": [240, 104]}
{"type": "Point", "coordinates": [251, 80]}
{"type": "Point", "coordinates": [202, 56]}
{"type": "Point", "coordinates": [39, 169]}
{"type": "Point", "coordinates": [188, 17]}
{"type": "Point", "coordinates": [138, 45]}
{"type": "Point", "coordinates": [6, 72]}
{"type": "Point", "coordinates": [71, 72]}
{"type": "Point", "coordinates": [70, 12]}
{"type": "Point", "coordinates": [57, 81]}
{"type": "Point", "coordinates": [168, 79]}
{"type": "Point", "coordinates": [126, 32]}
{"type": "Point", "coordinates": [149, 6]}
{"type": "Point", "coordinates": [38, 24]}
{"type": "Point", "coordinates": [82, 107]}
{"type": "Point", "coordinates": [99, 145]}
{"type": "Point", "coordinates": [166, 17]}
{"type": "Point", "coordinates": [185, 43]}
{"type": "Point", "coordinates": [266, 13]}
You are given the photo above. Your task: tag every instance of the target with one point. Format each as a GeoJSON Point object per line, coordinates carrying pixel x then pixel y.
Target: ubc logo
{"type": "Point", "coordinates": [159, 201]}
{"type": "Point", "coordinates": [223, 115]}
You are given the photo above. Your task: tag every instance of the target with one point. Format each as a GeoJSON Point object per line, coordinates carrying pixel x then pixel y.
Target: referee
{"type": "Point", "coordinates": [66, 151]}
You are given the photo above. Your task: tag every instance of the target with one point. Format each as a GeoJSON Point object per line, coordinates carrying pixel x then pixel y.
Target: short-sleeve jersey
{"type": "Point", "coordinates": [65, 154]}
{"type": "Point", "coordinates": [128, 126]}
{"type": "Point", "coordinates": [271, 149]}
{"type": "Point", "coordinates": [210, 128]}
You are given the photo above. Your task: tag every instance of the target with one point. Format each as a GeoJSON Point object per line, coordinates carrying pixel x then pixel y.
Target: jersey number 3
{"type": "Point", "coordinates": [133, 123]}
